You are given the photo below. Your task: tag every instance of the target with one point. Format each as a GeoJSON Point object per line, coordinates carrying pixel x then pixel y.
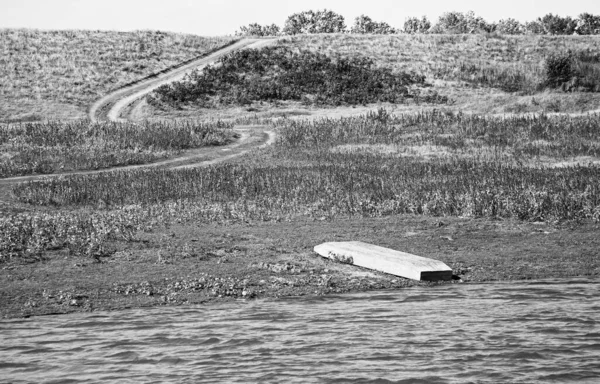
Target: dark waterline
{"type": "Point", "coordinates": [537, 331]}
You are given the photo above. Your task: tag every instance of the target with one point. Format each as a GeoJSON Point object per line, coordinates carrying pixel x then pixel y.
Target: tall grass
{"type": "Point", "coordinates": [331, 168]}
{"type": "Point", "coordinates": [50, 147]}
{"type": "Point", "coordinates": [309, 170]}
{"type": "Point", "coordinates": [524, 137]}
{"type": "Point", "coordinates": [348, 184]}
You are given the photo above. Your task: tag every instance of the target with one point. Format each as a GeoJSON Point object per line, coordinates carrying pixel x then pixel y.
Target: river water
{"type": "Point", "coordinates": [537, 331]}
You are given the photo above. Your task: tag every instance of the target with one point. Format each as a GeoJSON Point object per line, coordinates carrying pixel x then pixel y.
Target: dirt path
{"type": "Point", "coordinates": [110, 106]}
{"type": "Point", "coordinates": [115, 107]}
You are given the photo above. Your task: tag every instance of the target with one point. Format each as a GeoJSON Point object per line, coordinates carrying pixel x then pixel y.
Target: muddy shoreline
{"type": "Point", "coordinates": [203, 264]}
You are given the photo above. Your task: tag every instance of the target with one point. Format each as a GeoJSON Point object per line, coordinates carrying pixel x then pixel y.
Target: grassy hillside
{"type": "Point", "coordinates": [56, 74]}
{"type": "Point", "coordinates": [429, 53]}
{"type": "Point", "coordinates": [482, 72]}
{"type": "Point", "coordinates": [42, 148]}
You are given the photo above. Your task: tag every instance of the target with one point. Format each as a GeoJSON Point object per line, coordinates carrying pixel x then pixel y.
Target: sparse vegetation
{"type": "Point", "coordinates": [50, 74]}
{"type": "Point", "coordinates": [29, 148]}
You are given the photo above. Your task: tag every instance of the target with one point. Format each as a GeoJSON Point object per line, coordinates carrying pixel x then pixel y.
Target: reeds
{"type": "Point", "coordinates": [331, 168]}
{"type": "Point", "coordinates": [29, 148]}
{"type": "Point", "coordinates": [308, 169]}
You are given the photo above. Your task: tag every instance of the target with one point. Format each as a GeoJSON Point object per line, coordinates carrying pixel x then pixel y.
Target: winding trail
{"type": "Point", "coordinates": [111, 106]}
{"type": "Point", "coordinates": [116, 107]}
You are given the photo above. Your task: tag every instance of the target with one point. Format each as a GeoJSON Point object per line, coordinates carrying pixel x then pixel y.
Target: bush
{"type": "Point", "coordinates": [556, 25]}
{"type": "Point", "coordinates": [279, 73]}
{"type": "Point", "coordinates": [559, 69]}
{"type": "Point", "coordinates": [324, 21]}
{"type": "Point", "coordinates": [534, 27]}
{"type": "Point", "coordinates": [255, 29]}
{"type": "Point", "coordinates": [573, 71]}
{"type": "Point", "coordinates": [414, 25]}
{"type": "Point", "coordinates": [587, 24]}
{"type": "Point", "coordinates": [510, 26]}
{"type": "Point", "coordinates": [364, 24]}
{"type": "Point", "coordinates": [458, 22]}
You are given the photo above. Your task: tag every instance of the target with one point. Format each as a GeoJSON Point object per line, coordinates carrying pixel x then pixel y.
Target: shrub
{"type": "Point", "coordinates": [573, 71]}
{"type": "Point", "coordinates": [556, 25]}
{"type": "Point", "coordinates": [414, 25]}
{"type": "Point", "coordinates": [64, 146]}
{"type": "Point", "coordinates": [364, 24]}
{"type": "Point", "coordinates": [458, 22]}
{"type": "Point", "coordinates": [559, 69]}
{"type": "Point", "coordinates": [510, 26]}
{"type": "Point", "coordinates": [280, 73]}
{"type": "Point", "coordinates": [587, 24]}
{"type": "Point", "coordinates": [324, 21]}
{"type": "Point", "coordinates": [534, 28]}
{"type": "Point", "coordinates": [255, 29]}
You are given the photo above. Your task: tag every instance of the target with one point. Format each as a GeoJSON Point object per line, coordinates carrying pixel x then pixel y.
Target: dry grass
{"type": "Point", "coordinates": [29, 148]}
{"type": "Point", "coordinates": [57, 74]}
{"type": "Point", "coordinates": [469, 69]}
{"type": "Point", "coordinates": [428, 54]}
{"type": "Point", "coordinates": [474, 71]}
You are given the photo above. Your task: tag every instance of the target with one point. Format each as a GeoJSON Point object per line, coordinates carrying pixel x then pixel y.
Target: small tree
{"type": "Point", "coordinates": [587, 24]}
{"type": "Point", "coordinates": [364, 24]}
{"type": "Point", "coordinates": [510, 26]}
{"type": "Point", "coordinates": [255, 29]}
{"type": "Point", "coordinates": [534, 27]}
{"type": "Point", "coordinates": [458, 22]}
{"type": "Point", "coordinates": [271, 30]}
{"type": "Point", "coordinates": [556, 25]}
{"type": "Point", "coordinates": [451, 22]}
{"type": "Point", "coordinates": [414, 25]}
{"type": "Point", "coordinates": [324, 21]}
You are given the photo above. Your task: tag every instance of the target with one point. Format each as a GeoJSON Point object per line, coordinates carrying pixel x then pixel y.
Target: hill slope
{"type": "Point", "coordinates": [58, 74]}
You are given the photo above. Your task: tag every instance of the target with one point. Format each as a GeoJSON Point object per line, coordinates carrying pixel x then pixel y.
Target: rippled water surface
{"type": "Point", "coordinates": [540, 331]}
